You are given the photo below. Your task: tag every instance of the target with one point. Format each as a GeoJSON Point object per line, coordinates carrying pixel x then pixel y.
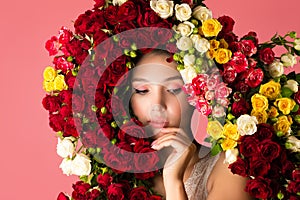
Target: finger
{"type": "Point", "coordinates": [171, 136]}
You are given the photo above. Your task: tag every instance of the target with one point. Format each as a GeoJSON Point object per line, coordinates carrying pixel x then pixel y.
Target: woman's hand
{"type": "Point", "coordinates": [182, 150]}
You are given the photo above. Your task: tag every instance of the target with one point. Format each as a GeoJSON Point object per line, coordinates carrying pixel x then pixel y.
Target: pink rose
{"type": "Point", "coordinates": [52, 46]}
{"type": "Point", "coordinates": [248, 48]}
{"type": "Point", "coordinates": [239, 62]}
{"type": "Point", "coordinates": [222, 91]}
{"type": "Point", "coordinates": [203, 107]}
{"type": "Point", "coordinates": [254, 77]}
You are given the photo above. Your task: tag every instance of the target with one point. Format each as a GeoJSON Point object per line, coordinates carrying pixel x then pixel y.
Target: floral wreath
{"type": "Point", "coordinates": [252, 106]}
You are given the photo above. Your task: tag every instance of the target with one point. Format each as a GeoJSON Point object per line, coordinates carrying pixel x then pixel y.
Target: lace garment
{"type": "Point", "coordinates": [195, 185]}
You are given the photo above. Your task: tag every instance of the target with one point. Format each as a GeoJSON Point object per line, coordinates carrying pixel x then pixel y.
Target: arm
{"type": "Point", "coordinates": [223, 185]}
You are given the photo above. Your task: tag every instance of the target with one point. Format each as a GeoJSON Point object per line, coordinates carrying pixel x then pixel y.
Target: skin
{"type": "Point", "coordinates": [156, 86]}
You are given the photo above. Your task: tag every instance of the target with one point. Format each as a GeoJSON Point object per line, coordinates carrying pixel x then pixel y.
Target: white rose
{"type": "Point", "coordinates": [292, 84]}
{"type": "Point", "coordinates": [202, 13]}
{"type": "Point", "coordinates": [276, 69]}
{"type": "Point", "coordinates": [185, 28]}
{"type": "Point", "coordinates": [297, 44]}
{"type": "Point", "coordinates": [65, 148]}
{"type": "Point", "coordinates": [183, 12]}
{"type": "Point", "coordinates": [231, 156]}
{"type": "Point", "coordinates": [66, 166]}
{"type": "Point", "coordinates": [218, 111]}
{"type": "Point", "coordinates": [202, 45]}
{"type": "Point", "coordinates": [189, 60]}
{"type": "Point", "coordinates": [288, 60]}
{"type": "Point", "coordinates": [81, 165]}
{"type": "Point", "coordinates": [164, 8]}
{"type": "Point", "coordinates": [184, 43]}
{"type": "Point", "coordinates": [118, 2]}
{"type": "Point", "coordinates": [246, 125]}
{"type": "Point", "coordinates": [294, 144]}
{"type": "Point", "coordinates": [188, 74]}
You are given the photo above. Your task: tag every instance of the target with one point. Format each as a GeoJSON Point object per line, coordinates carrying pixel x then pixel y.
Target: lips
{"type": "Point", "coordinates": [158, 124]}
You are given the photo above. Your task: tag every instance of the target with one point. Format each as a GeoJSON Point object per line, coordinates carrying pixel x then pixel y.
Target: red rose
{"type": "Point", "coordinates": [240, 107]}
{"type": "Point", "coordinates": [150, 19]}
{"type": "Point", "coordinates": [124, 26]}
{"type": "Point", "coordinates": [93, 195]}
{"type": "Point", "coordinates": [287, 168]}
{"type": "Point", "coordinates": [239, 62]}
{"type": "Point", "coordinates": [65, 111]}
{"type": "Point", "coordinates": [264, 131]}
{"type": "Point", "coordinates": [70, 79]}
{"type": "Point", "coordinates": [199, 84]}
{"type": "Point", "coordinates": [116, 191]}
{"type": "Point", "coordinates": [297, 97]}
{"type": "Point", "coordinates": [154, 197]}
{"type": "Point", "coordinates": [78, 103]}
{"type": "Point", "coordinates": [138, 193]}
{"type": "Point", "coordinates": [296, 175]}
{"type": "Point", "coordinates": [100, 99]}
{"type": "Point", "coordinates": [65, 35]}
{"type": "Point", "coordinates": [99, 3]}
{"type": "Point", "coordinates": [78, 49]}
{"type": "Point", "coordinates": [252, 63]}
{"type": "Point", "coordinates": [104, 180]}
{"type": "Point", "coordinates": [242, 87]}
{"type": "Point", "coordinates": [236, 46]}
{"type": "Point", "coordinates": [66, 96]}
{"type": "Point", "coordinates": [203, 107]}
{"type": "Point", "coordinates": [266, 55]}
{"type": "Point", "coordinates": [249, 146]}
{"type": "Point", "coordinates": [254, 77]}
{"type": "Point", "coordinates": [110, 14]}
{"type": "Point", "coordinates": [80, 188]}
{"type": "Point", "coordinates": [127, 12]}
{"type": "Point", "coordinates": [115, 106]}
{"type": "Point", "coordinates": [70, 128]}
{"type": "Point", "coordinates": [161, 35]}
{"type": "Point", "coordinates": [259, 188]}
{"type": "Point", "coordinates": [227, 23]}
{"type": "Point", "coordinates": [248, 48]}
{"type": "Point", "coordinates": [52, 46]}
{"type": "Point", "coordinates": [239, 167]}
{"type": "Point", "coordinates": [99, 37]}
{"type": "Point", "coordinates": [270, 150]}
{"type": "Point", "coordinates": [259, 167]}
{"type": "Point", "coordinates": [133, 129]}
{"type": "Point", "coordinates": [51, 103]}
{"type": "Point", "coordinates": [293, 187]}
{"type": "Point", "coordinates": [228, 37]}
{"type": "Point", "coordinates": [62, 196]}
{"type": "Point", "coordinates": [61, 63]}
{"type": "Point", "coordinates": [229, 73]}
{"type": "Point", "coordinates": [251, 36]}
{"type": "Point", "coordinates": [107, 130]}
{"type": "Point", "coordinates": [56, 122]}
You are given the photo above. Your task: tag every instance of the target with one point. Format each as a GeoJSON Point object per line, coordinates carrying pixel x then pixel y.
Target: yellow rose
{"type": "Point", "coordinates": [285, 105]}
{"type": "Point", "coordinates": [48, 86]}
{"type": "Point", "coordinates": [222, 55]}
{"type": "Point", "coordinates": [210, 53]}
{"type": "Point", "coordinates": [261, 116]}
{"type": "Point", "coordinates": [49, 74]}
{"type": "Point", "coordinates": [259, 102]}
{"type": "Point", "coordinates": [271, 90]}
{"type": "Point", "coordinates": [211, 27]}
{"type": "Point", "coordinates": [214, 129]}
{"type": "Point", "coordinates": [228, 144]}
{"type": "Point", "coordinates": [59, 83]}
{"type": "Point", "coordinates": [273, 112]}
{"type": "Point", "coordinates": [223, 44]}
{"type": "Point", "coordinates": [230, 131]}
{"type": "Point", "coordinates": [283, 124]}
{"type": "Point", "coordinates": [214, 44]}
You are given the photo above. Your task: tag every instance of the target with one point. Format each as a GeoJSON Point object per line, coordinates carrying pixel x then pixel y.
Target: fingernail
{"type": "Point", "coordinates": [154, 146]}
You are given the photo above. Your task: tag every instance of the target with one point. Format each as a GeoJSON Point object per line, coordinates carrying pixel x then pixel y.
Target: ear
{"type": "Point", "coordinates": [198, 127]}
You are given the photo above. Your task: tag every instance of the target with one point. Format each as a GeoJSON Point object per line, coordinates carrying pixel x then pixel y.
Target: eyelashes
{"type": "Point", "coordinates": [140, 91]}
{"type": "Point", "coordinates": [172, 91]}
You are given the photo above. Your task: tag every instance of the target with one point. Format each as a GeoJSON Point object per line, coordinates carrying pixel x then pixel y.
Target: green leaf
{"type": "Point", "coordinates": [216, 149]}
{"type": "Point", "coordinates": [286, 92]}
{"type": "Point", "coordinates": [296, 108]}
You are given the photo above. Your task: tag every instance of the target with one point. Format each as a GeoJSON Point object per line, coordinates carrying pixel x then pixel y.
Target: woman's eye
{"type": "Point", "coordinates": [141, 91]}
{"type": "Point", "coordinates": [175, 91]}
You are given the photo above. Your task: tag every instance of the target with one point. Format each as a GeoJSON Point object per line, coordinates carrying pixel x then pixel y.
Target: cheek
{"type": "Point", "coordinates": [138, 107]}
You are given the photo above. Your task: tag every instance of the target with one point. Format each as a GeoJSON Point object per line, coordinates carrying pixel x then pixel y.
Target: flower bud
{"type": "Point", "coordinates": [103, 110]}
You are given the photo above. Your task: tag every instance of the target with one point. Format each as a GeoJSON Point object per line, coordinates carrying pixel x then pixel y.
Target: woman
{"type": "Point", "coordinates": [160, 104]}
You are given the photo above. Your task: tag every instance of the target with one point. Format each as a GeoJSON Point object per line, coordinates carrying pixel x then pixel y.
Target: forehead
{"type": "Point", "coordinates": [155, 68]}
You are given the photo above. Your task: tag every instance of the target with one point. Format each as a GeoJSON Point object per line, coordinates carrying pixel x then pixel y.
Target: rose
{"type": "Point", "coordinates": [163, 8]}
{"type": "Point", "coordinates": [104, 180]}
{"type": "Point", "coordinates": [252, 36]}
{"type": "Point", "coordinates": [66, 111]}
{"type": "Point", "coordinates": [248, 48]}
{"type": "Point", "coordinates": [70, 80]}
{"type": "Point", "coordinates": [189, 60]}
{"type": "Point", "coordinates": [261, 116]}
{"type": "Point", "coordinates": [80, 189]}
{"type": "Point", "coordinates": [288, 60]}
{"type": "Point", "coordinates": [222, 91]}
{"type": "Point", "coordinates": [227, 23]}
{"type": "Point", "coordinates": [61, 63]}
{"type": "Point", "coordinates": [78, 49]}
{"type": "Point", "coordinates": [285, 105]}
{"type": "Point", "coordinates": [228, 143]}
{"type": "Point", "coordinates": [51, 103]}
{"type": "Point", "coordinates": [264, 131]}
{"type": "Point", "coordinates": [183, 12]}
{"type": "Point", "coordinates": [150, 19]}
{"type": "Point", "coordinates": [69, 128]}
{"type": "Point", "coordinates": [188, 74]}
{"type": "Point", "coordinates": [276, 69]}
{"type": "Point", "coordinates": [222, 55]}
{"type": "Point", "coordinates": [202, 13]}
{"type": "Point", "coordinates": [154, 197]}
{"type": "Point", "coordinates": [283, 124]}
{"type": "Point", "coordinates": [116, 191]}
{"type": "Point", "coordinates": [246, 125]}
{"type": "Point", "coordinates": [118, 2]}
{"type": "Point", "coordinates": [249, 146]}
{"type": "Point", "coordinates": [185, 29]}
{"type": "Point", "coordinates": [62, 196]}
{"type": "Point", "coordinates": [292, 85]}
{"type": "Point", "coordinates": [81, 165]}
{"type": "Point", "coordinates": [211, 27]}
{"type": "Point", "coordinates": [184, 43]}
{"type": "Point", "coordinates": [252, 63]}
{"type": "Point", "coordinates": [127, 12]}
{"type": "Point", "coordinates": [49, 73]}
{"type": "Point", "coordinates": [215, 129]}
{"type": "Point", "coordinates": [297, 97]}
{"type": "Point", "coordinates": [239, 62]}
{"type": "Point", "coordinates": [236, 46]}
{"type": "Point", "coordinates": [218, 111]}
{"type": "Point", "coordinates": [239, 167]}
{"type": "Point", "coordinates": [138, 193]}
{"type": "Point", "coordinates": [270, 150]}
{"type": "Point", "coordinates": [266, 55]}
{"type": "Point", "coordinates": [56, 122]}
{"type": "Point", "coordinates": [231, 156]}
{"type": "Point", "coordinates": [66, 166]}
{"type": "Point", "coordinates": [293, 144]}
{"type": "Point", "coordinates": [259, 188]}
{"type": "Point", "coordinates": [271, 90]}
{"type": "Point", "coordinates": [230, 131]}
{"type": "Point", "coordinates": [52, 45]}
{"type": "Point", "coordinates": [297, 44]}
{"type": "Point", "coordinates": [273, 112]}
{"type": "Point", "coordinates": [259, 102]}
{"type": "Point", "coordinates": [259, 168]}
{"type": "Point", "coordinates": [65, 147]}
{"type": "Point", "coordinates": [48, 86]}
{"type": "Point", "coordinates": [203, 107]}
{"type": "Point", "coordinates": [229, 73]}
{"type": "Point", "coordinates": [202, 45]}
{"type": "Point", "coordinates": [294, 187]}
{"type": "Point", "coordinates": [240, 107]}
{"type": "Point", "coordinates": [254, 77]}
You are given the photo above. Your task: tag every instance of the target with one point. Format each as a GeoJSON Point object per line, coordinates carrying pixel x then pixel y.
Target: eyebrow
{"type": "Point", "coordinates": [167, 79]}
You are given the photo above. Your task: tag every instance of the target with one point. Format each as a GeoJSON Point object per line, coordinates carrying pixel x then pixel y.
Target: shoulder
{"type": "Point", "coordinates": [222, 184]}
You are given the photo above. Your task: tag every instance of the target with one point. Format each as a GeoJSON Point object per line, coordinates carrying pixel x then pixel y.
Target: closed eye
{"type": "Point", "coordinates": [175, 91]}
{"type": "Point", "coordinates": [140, 91]}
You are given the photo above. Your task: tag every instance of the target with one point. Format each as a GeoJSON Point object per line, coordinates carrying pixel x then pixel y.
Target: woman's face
{"type": "Point", "coordinates": [157, 98]}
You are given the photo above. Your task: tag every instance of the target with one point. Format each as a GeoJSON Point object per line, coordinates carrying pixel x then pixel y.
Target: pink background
{"type": "Point", "coordinates": [29, 164]}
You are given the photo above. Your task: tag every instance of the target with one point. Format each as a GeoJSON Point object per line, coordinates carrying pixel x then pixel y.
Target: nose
{"type": "Point", "coordinates": [158, 105]}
